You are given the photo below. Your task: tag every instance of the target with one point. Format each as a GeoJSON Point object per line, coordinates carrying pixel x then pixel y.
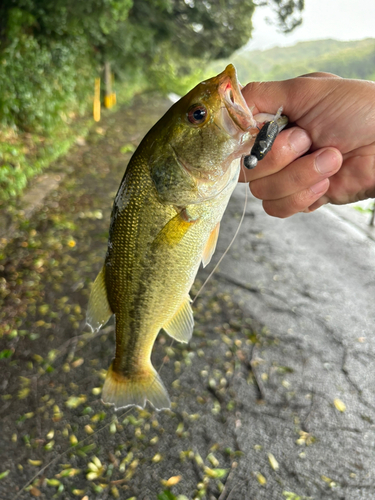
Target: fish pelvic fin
{"type": "Point", "coordinates": [99, 310]}
{"type": "Point", "coordinates": [210, 247]}
{"type": "Point", "coordinates": [122, 391]}
{"type": "Point", "coordinates": [180, 327]}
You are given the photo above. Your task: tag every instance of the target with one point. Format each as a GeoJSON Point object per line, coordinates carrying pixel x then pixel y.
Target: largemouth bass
{"type": "Point", "coordinates": [164, 223]}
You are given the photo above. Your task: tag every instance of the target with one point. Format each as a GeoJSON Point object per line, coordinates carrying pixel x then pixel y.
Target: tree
{"type": "Point", "coordinates": [163, 40]}
{"type": "Point", "coordinates": [288, 13]}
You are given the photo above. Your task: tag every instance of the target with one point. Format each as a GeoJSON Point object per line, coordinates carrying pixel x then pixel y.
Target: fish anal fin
{"type": "Point", "coordinates": [98, 311]}
{"type": "Point", "coordinates": [135, 389]}
{"type": "Point", "coordinates": [180, 327]}
{"type": "Point", "coordinates": [210, 247]}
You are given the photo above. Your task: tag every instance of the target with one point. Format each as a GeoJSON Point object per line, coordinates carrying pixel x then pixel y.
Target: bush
{"type": "Point", "coordinates": [44, 87]}
{"type": "Point", "coordinates": [41, 87]}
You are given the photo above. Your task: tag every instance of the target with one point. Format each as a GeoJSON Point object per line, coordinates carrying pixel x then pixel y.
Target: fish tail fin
{"type": "Point", "coordinates": [124, 390]}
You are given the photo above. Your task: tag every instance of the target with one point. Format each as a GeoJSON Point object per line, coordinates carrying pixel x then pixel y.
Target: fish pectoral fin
{"type": "Point", "coordinates": [210, 247]}
{"type": "Point", "coordinates": [175, 229]}
{"type": "Point", "coordinates": [135, 389]}
{"type": "Point", "coordinates": [98, 311]}
{"type": "Point", "coordinates": [180, 327]}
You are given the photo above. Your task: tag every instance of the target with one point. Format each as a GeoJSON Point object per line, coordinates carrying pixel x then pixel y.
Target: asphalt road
{"type": "Point", "coordinates": [274, 397]}
{"type": "Point", "coordinates": [310, 280]}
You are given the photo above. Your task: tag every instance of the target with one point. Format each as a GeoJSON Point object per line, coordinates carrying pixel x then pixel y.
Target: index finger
{"type": "Point", "coordinates": [297, 96]}
{"type": "Point", "coordinates": [288, 146]}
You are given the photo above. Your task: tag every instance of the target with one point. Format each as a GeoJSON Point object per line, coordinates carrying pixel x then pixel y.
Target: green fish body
{"type": "Point", "coordinates": [164, 223]}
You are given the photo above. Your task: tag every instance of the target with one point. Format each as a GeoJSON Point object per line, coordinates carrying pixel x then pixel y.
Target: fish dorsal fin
{"type": "Point", "coordinates": [180, 327]}
{"type": "Point", "coordinates": [209, 249]}
{"type": "Point", "coordinates": [98, 311]}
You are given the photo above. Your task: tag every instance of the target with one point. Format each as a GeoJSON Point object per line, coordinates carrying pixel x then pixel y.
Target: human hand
{"type": "Point", "coordinates": [334, 130]}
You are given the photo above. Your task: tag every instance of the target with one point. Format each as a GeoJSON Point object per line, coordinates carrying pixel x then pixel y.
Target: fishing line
{"type": "Point", "coordinates": [228, 247]}
{"type": "Point", "coordinates": [221, 258]}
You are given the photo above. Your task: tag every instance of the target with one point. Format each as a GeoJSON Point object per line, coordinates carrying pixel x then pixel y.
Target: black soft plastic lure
{"type": "Point", "coordinates": [265, 139]}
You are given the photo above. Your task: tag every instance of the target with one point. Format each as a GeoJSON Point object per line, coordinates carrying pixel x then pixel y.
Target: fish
{"type": "Point", "coordinates": [165, 222]}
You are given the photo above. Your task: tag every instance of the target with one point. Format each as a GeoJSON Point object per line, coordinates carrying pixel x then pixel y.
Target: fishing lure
{"type": "Point", "coordinates": [265, 139]}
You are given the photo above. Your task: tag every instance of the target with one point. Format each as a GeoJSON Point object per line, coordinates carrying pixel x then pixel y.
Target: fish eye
{"type": "Point", "coordinates": [197, 114]}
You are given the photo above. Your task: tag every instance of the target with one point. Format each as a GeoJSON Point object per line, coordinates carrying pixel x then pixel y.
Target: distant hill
{"type": "Point", "coordinates": [355, 59]}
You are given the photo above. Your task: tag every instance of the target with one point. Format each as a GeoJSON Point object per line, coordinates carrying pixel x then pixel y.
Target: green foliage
{"type": "Point", "coordinates": [49, 47]}
{"type": "Point", "coordinates": [51, 51]}
{"type": "Point", "coordinates": [366, 208]}
{"type": "Point", "coordinates": [6, 353]}
{"type": "Point", "coordinates": [22, 156]}
{"type": "Point", "coordinates": [12, 177]}
{"type": "Point", "coordinates": [53, 19]}
{"type": "Point", "coordinates": [347, 59]}
{"type": "Point", "coordinates": [4, 474]}
{"type": "Point", "coordinates": [288, 13]}
{"type": "Point", "coordinates": [166, 74]}
{"type": "Point", "coordinates": [41, 85]}
{"type": "Point", "coordinates": [208, 29]}
{"type": "Point", "coordinates": [356, 61]}
{"type": "Point", "coordinates": [166, 495]}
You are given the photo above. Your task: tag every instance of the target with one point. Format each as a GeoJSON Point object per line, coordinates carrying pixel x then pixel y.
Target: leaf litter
{"type": "Point", "coordinates": [57, 438]}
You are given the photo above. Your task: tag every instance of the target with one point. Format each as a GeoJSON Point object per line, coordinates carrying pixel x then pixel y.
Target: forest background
{"type": "Point", "coordinates": [52, 51]}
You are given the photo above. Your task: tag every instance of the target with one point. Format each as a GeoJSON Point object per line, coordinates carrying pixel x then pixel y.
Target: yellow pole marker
{"type": "Point", "coordinates": [107, 101]}
{"type": "Point", "coordinates": [97, 100]}
{"type": "Point", "coordinates": [108, 85]}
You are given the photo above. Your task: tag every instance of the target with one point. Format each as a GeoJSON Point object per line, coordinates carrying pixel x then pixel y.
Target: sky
{"type": "Point", "coordinates": [338, 19]}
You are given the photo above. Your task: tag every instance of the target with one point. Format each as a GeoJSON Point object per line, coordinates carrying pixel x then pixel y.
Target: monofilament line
{"type": "Point", "coordinates": [228, 247]}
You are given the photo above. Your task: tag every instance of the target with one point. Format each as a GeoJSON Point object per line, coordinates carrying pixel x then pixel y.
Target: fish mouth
{"type": "Point", "coordinates": [230, 92]}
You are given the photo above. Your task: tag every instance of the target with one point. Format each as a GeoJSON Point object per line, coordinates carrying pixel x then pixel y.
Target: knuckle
{"type": "Point", "coordinates": [297, 178]}
{"type": "Point", "coordinates": [303, 199]}
{"type": "Point", "coordinates": [256, 188]}
{"type": "Point", "coordinates": [276, 209]}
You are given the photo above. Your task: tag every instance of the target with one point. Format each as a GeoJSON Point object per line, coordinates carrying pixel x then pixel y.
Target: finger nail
{"type": "Point", "coordinates": [299, 141]}
{"type": "Point", "coordinates": [320, 186]}
{"type": "Point", "coordinates": [326, 161]}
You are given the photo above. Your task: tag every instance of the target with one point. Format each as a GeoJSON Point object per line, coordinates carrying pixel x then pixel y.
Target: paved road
{"type": "Point", "coordinates": [310, 280]}
{"type": "Point", "coordinates": [274, 397]}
